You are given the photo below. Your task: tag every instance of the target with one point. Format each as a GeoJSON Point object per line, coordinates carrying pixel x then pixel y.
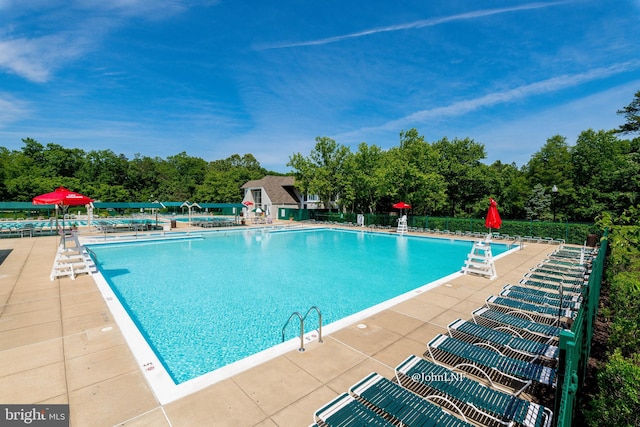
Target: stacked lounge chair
{"type": "Point", "coordinates": [507, 342]}
{"type": "Point", "coordinates": [545, 299]}
{"type": "Point", "coordinates": [377, 401]}
{"type": "Point", "coordinates": [537, 284]}
{"type": "Point", "coordinates": [518, 321]}
{"type": "Point", "coordinates": [478, 402]}
{"type": "Point", "coordinates": [345, 410]}
{"type": "Point", "coordinates": [477, 373]}
{"type": "Point", "coordinates": [508, 371]}
{"type": "Point", "coordinates": [400, 405]}
{"type": "Point", "coordinates": [550, 295]}
{"type": "Point", "coordinates": [539, 313]}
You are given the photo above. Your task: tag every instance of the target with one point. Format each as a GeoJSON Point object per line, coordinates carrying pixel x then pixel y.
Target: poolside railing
{"type": "Point", "coordinates": [302, 320]}
{"type": "Point", "coordinates": [575, 344]}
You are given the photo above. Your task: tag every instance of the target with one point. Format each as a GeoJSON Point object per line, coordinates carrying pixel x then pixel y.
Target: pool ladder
{"type": "Point", "coordinates": [302, 319]}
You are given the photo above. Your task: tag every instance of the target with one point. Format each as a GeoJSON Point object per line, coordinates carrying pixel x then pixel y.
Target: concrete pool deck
{"type": "Point", "coordinates": [60, 345]}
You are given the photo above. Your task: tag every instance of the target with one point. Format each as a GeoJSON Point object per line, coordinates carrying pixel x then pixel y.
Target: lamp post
{"type": "Point", "coordinates": [554, 193]}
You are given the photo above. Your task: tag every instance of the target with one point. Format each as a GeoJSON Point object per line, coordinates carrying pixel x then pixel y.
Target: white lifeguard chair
{"type": "Point", "coordinates": [402, 225]}
{"type": "Point", "coordinates": [72, 261]}
{"type": "Point", "coordinates": [480, 260]}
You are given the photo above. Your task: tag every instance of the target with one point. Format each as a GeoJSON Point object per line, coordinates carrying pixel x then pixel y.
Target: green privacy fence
{"type": "Point", "coordinates": [570, 232]}
{"type": "Point", "coordinates": [575, 345]}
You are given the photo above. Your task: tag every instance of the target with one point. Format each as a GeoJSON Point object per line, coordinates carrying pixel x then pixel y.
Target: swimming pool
{"type": "Point", "coordinates": [205, 303]}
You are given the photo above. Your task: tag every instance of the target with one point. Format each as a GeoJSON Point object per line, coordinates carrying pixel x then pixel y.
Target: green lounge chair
{"type": "Point", "coordinates": [555, 272]}
{"type": "Point", "coordinates": [552, 294]}
{"type": "Point", "coordinates": [532, 283]}
{"type": "Point", "coordinates": [500, 368]}
{"type": "Point", "coordinates": [539, 313]}
{"type": "Point", "coordinates": [520, 321]}
{"type": "Point", "coordinates": [555, 279]}
{"type": "Point", "coordinates": [583, 260]}
{"type": "Point", "coordinates": [345, 410]}
{"type": "Point", "coordinates": [505, 340]}
{"type": "Point", "coordinates": [551, 262]}
{"type": "Point", "coordinates": [478, 402]}
{"type": "Point", "coordinates": [403, 407]}
{"type": "Point", "coordinates": [545, 300]}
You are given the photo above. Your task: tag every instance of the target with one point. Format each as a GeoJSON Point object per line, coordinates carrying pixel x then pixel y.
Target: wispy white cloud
{"type": "Point", "coordinates": [416, 24]}
{"type": "Point", "coordinates": [73, 29]}
{"type": "Point", "coordinates": [36, 59]}
{"type": "Point", "coordinates": [12, 110]}
{"type": "Point", "coordinates": [463, 107]}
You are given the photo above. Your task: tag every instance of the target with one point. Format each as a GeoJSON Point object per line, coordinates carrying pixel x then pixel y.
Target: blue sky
{"type": "Point", "coordinates": [214, 78]}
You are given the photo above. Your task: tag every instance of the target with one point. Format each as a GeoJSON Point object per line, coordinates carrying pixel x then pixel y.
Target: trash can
{"type": "Point", "coordinates": [592, 240]}
{"type": "Point", "coordinates": [174, 224]}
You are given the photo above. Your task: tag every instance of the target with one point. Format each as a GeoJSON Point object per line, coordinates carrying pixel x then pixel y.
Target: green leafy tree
{"type": "Point", "coordinates": [5, 161]}
{"type": "Point", "coordinates": [144, 177]}
{"type": "Point", "coordinates": [551, 166]}
{"type": "Point", "coordinates": [409, 174]}
{"type": "Point", "coordinates": [510, 187]}
{"type": "Point", "coordinates": [617, 403]}
{"type": "Point", "coordinates": [104, 167]}
{"type": "Point", "coordinates": [364, 171]}
{"type": "Point", "coordinates": [459, 164]}
{"type": "Point", "coordinates": [224, 178]}
{"type": "Point", "coordinates": [323, 171]}
{"type": "Point", "coordinates": [600, 163]}
{"type": "Point", "coordinates": [24, 188]}
{"type": "Point", "coordinates": [538, 205]}
{"type": "Point", "coordinates": [183, 174]}
{"type": "Point", "coordinates": [631, 114]}
{"type": "Point", "coordinates": [62, 162]}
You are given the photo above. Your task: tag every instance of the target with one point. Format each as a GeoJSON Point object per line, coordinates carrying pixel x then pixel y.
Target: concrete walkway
{"type": "Point", "coordinates": [59, 344]}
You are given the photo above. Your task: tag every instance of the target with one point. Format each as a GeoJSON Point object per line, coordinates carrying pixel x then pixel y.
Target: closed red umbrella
{"type": "Point", "coordinates": [493, 217]}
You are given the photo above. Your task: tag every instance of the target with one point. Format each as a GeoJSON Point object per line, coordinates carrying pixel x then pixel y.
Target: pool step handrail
{"type": "Point", "coordinates": [517, 242]}
{"type": "Point", "coordinates": [317, 310]}
{"type": "Point", "coordinates": [302, 320]}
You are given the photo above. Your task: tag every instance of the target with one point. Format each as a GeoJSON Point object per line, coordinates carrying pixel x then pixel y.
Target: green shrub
{"type": "Point", "coordinates": [617, 403]}
{"type": "Point", "coordinates": [625, 312]}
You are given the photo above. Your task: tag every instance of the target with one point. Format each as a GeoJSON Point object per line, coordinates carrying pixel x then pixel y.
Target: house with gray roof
{"type": "Point", "coordinates": [271, 192]}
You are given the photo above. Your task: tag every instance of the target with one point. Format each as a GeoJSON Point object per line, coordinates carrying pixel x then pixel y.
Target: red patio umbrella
{"type": "Point", "coordinates": [402, 205]}
{"type": "Point", "coordinates": [493, 217]}
{"type": "Point", "coordinates": [62, 197]}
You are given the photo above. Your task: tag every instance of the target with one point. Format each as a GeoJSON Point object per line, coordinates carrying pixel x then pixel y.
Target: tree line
{"type": "Point", "coordinates": [599, 173]}
{"type": "Point", "coordinates": [109, 177]}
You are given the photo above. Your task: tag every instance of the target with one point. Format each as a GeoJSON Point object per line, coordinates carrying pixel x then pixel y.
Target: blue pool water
{"type": "Point", "coordinates": [205, 303]}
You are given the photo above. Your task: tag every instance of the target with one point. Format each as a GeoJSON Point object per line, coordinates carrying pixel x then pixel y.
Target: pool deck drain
{"type": "Point", "coordinates": [60, 345]}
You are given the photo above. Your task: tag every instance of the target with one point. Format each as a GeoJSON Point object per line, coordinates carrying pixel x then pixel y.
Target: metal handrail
{"type": "Point", "coordinates": [302, 319]}
{"type": "Point", "coordinates": [319, 320]}
{"type": "Point", "coordinates": [518, 240]}
{"type": "Point", "coordinates": [295, 313]}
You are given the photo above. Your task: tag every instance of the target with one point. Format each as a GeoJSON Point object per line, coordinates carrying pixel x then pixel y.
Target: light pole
{"type": "Point", "coordinates": [554, 193]}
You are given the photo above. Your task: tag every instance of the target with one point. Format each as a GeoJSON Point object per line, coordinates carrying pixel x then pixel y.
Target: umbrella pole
{"type": "Point", "coordinates": [64, 235]}
{"type": "Point", "coordinates": [57, 227]}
